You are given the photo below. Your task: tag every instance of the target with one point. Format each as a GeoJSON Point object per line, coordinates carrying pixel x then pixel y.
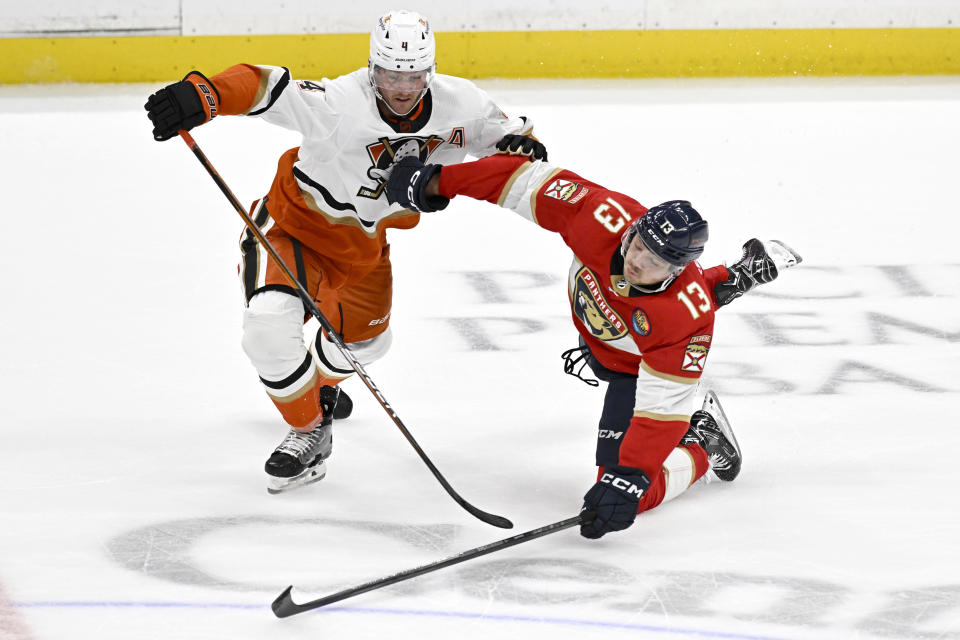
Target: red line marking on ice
{"type": "Point", "coordinates": [12, 626]}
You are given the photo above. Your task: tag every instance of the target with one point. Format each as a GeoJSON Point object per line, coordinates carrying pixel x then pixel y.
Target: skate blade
{"type": "Point", "coordinates": [711, 404]}
{"type": "Point", "coordinates": [316, 473]}
{"type": "Point", "coordinates": [782, 254]}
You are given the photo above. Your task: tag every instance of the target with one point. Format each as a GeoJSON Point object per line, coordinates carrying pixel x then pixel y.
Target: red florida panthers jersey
{"type": "Point", "coordinates": [662, 338]}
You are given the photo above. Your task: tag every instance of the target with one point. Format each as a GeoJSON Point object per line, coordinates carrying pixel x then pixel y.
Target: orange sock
{"type": "Point", "coordinates": [302, 409]}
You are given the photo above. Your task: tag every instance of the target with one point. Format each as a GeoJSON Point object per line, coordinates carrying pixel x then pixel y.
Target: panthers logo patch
{"type": "Point", "coordinates": [592, 309]}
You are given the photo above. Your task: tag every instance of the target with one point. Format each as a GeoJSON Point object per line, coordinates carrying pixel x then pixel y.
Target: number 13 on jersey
{"type": "Point", "coordinates": [613, 222]}
{"type": "Point", "coordinates": [702, 304]}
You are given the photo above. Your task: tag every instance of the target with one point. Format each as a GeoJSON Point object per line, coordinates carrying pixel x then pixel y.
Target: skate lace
{"type": "Point", "coordinates": [299, 444]}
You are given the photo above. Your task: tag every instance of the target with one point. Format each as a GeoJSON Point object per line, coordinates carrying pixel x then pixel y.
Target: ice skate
{"type": "Point", "coordinates": [781, 254]}
{"type": "Point", "coordinates": [710, 429]}
{"type": "Point", "coordinates": [761, 263]}
{"type": "Point", "coordinates": [300, 458]}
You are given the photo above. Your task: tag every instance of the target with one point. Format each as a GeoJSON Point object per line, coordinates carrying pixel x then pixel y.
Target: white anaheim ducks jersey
{"type": "Point", "coordinates": [328, 193]}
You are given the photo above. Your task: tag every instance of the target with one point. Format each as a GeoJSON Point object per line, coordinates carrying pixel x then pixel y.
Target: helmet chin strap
{"type": "Point", "coordinates": [658, 287]}
{"type": "Point", "coordinates": [653, 288]}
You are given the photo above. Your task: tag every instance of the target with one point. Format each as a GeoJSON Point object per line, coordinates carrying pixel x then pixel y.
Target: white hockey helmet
{"type": "Point", "coordinates": [403, 41]}
{"type": "Point", "coordinates": [402, 53]}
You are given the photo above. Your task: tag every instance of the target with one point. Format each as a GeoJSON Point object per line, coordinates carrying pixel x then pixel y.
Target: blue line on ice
{"type": "Point", "coordinates": [409, 612]}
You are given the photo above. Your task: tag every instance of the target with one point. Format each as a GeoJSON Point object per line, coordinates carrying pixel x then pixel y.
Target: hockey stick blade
{"type": "Point", "coordinates": [489, 518]}
{"type": "Point", "coordinates": [284, 606]}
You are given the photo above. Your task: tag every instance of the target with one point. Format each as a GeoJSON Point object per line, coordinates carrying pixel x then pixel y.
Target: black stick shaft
{"type": "Point", "coordinates": [284, 606]}
{"type": "Point", "coordinates": [310, 305]}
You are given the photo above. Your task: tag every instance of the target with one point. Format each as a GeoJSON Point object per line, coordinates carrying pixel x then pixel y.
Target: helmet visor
{"type": "Point", "coordinates": [642, 267]}
{"type": "Point", "coordinates": [401, 80]}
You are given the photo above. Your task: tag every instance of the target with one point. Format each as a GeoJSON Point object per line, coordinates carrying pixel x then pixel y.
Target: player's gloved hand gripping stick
{"type": "Point", "coordinates": [311, 307]}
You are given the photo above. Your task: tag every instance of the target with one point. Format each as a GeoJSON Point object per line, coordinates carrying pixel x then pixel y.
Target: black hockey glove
{"type": "Point", "coordinates": [515, 144]}
{"type": "Point", "coordinates": [613, 501]}
{"type": "Point", "coordinates": [179, 106]}
{"type": "Point", "coordinates": [761, 263]}
{"type": "Point", "coordinates": [408, 183]}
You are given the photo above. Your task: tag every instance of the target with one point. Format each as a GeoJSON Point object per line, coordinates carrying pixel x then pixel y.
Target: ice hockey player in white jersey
{"type": "Point", "coordinates": [326, 212]}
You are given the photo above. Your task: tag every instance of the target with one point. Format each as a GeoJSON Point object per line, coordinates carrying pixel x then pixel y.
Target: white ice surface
{"type": "Point", "coordinates": [133, 430]}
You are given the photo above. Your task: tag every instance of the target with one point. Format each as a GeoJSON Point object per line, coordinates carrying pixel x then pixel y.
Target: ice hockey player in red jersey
{"type": "Point", "coordinates": [326, 212]}
{"type": "Point", "coordinates": [644, 309]}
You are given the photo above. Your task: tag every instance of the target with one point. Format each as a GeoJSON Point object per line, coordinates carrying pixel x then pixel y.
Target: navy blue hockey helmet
{"type": "Point", "coordinates": [673, 231]}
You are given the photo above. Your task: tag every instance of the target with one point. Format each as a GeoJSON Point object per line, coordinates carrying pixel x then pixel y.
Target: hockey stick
{"type": "Point", "coordinates": [284, 606]}
{"type": "Point", "coordinates": [310, 305]}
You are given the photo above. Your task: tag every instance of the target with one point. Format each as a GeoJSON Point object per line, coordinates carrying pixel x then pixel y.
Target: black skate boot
{"type": "Point", "coordinates": [761, 263]}
{"type": "Point", "coordinates": [710, 429]}
{"type": "Point", "coordinates": [338, 399]}
{"type": "Point", "coordinates": [299, 460]}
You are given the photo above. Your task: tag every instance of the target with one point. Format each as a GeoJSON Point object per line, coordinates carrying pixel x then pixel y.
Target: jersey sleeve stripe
{"type": "Point", "coordinates": [667, 376]}
{"type": "Point", "coordinates": [527, 129]}
{"type": "Point", "coordinates": [662, 417]}
{"type": "Point", "coordinates": [536, 191]}
{"type": "Point", "coordinates": [520, 191]}
{"type": "Point", "coordinates": [278, 88]}
{"type": "Point", "coordinates": [509, 184]}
